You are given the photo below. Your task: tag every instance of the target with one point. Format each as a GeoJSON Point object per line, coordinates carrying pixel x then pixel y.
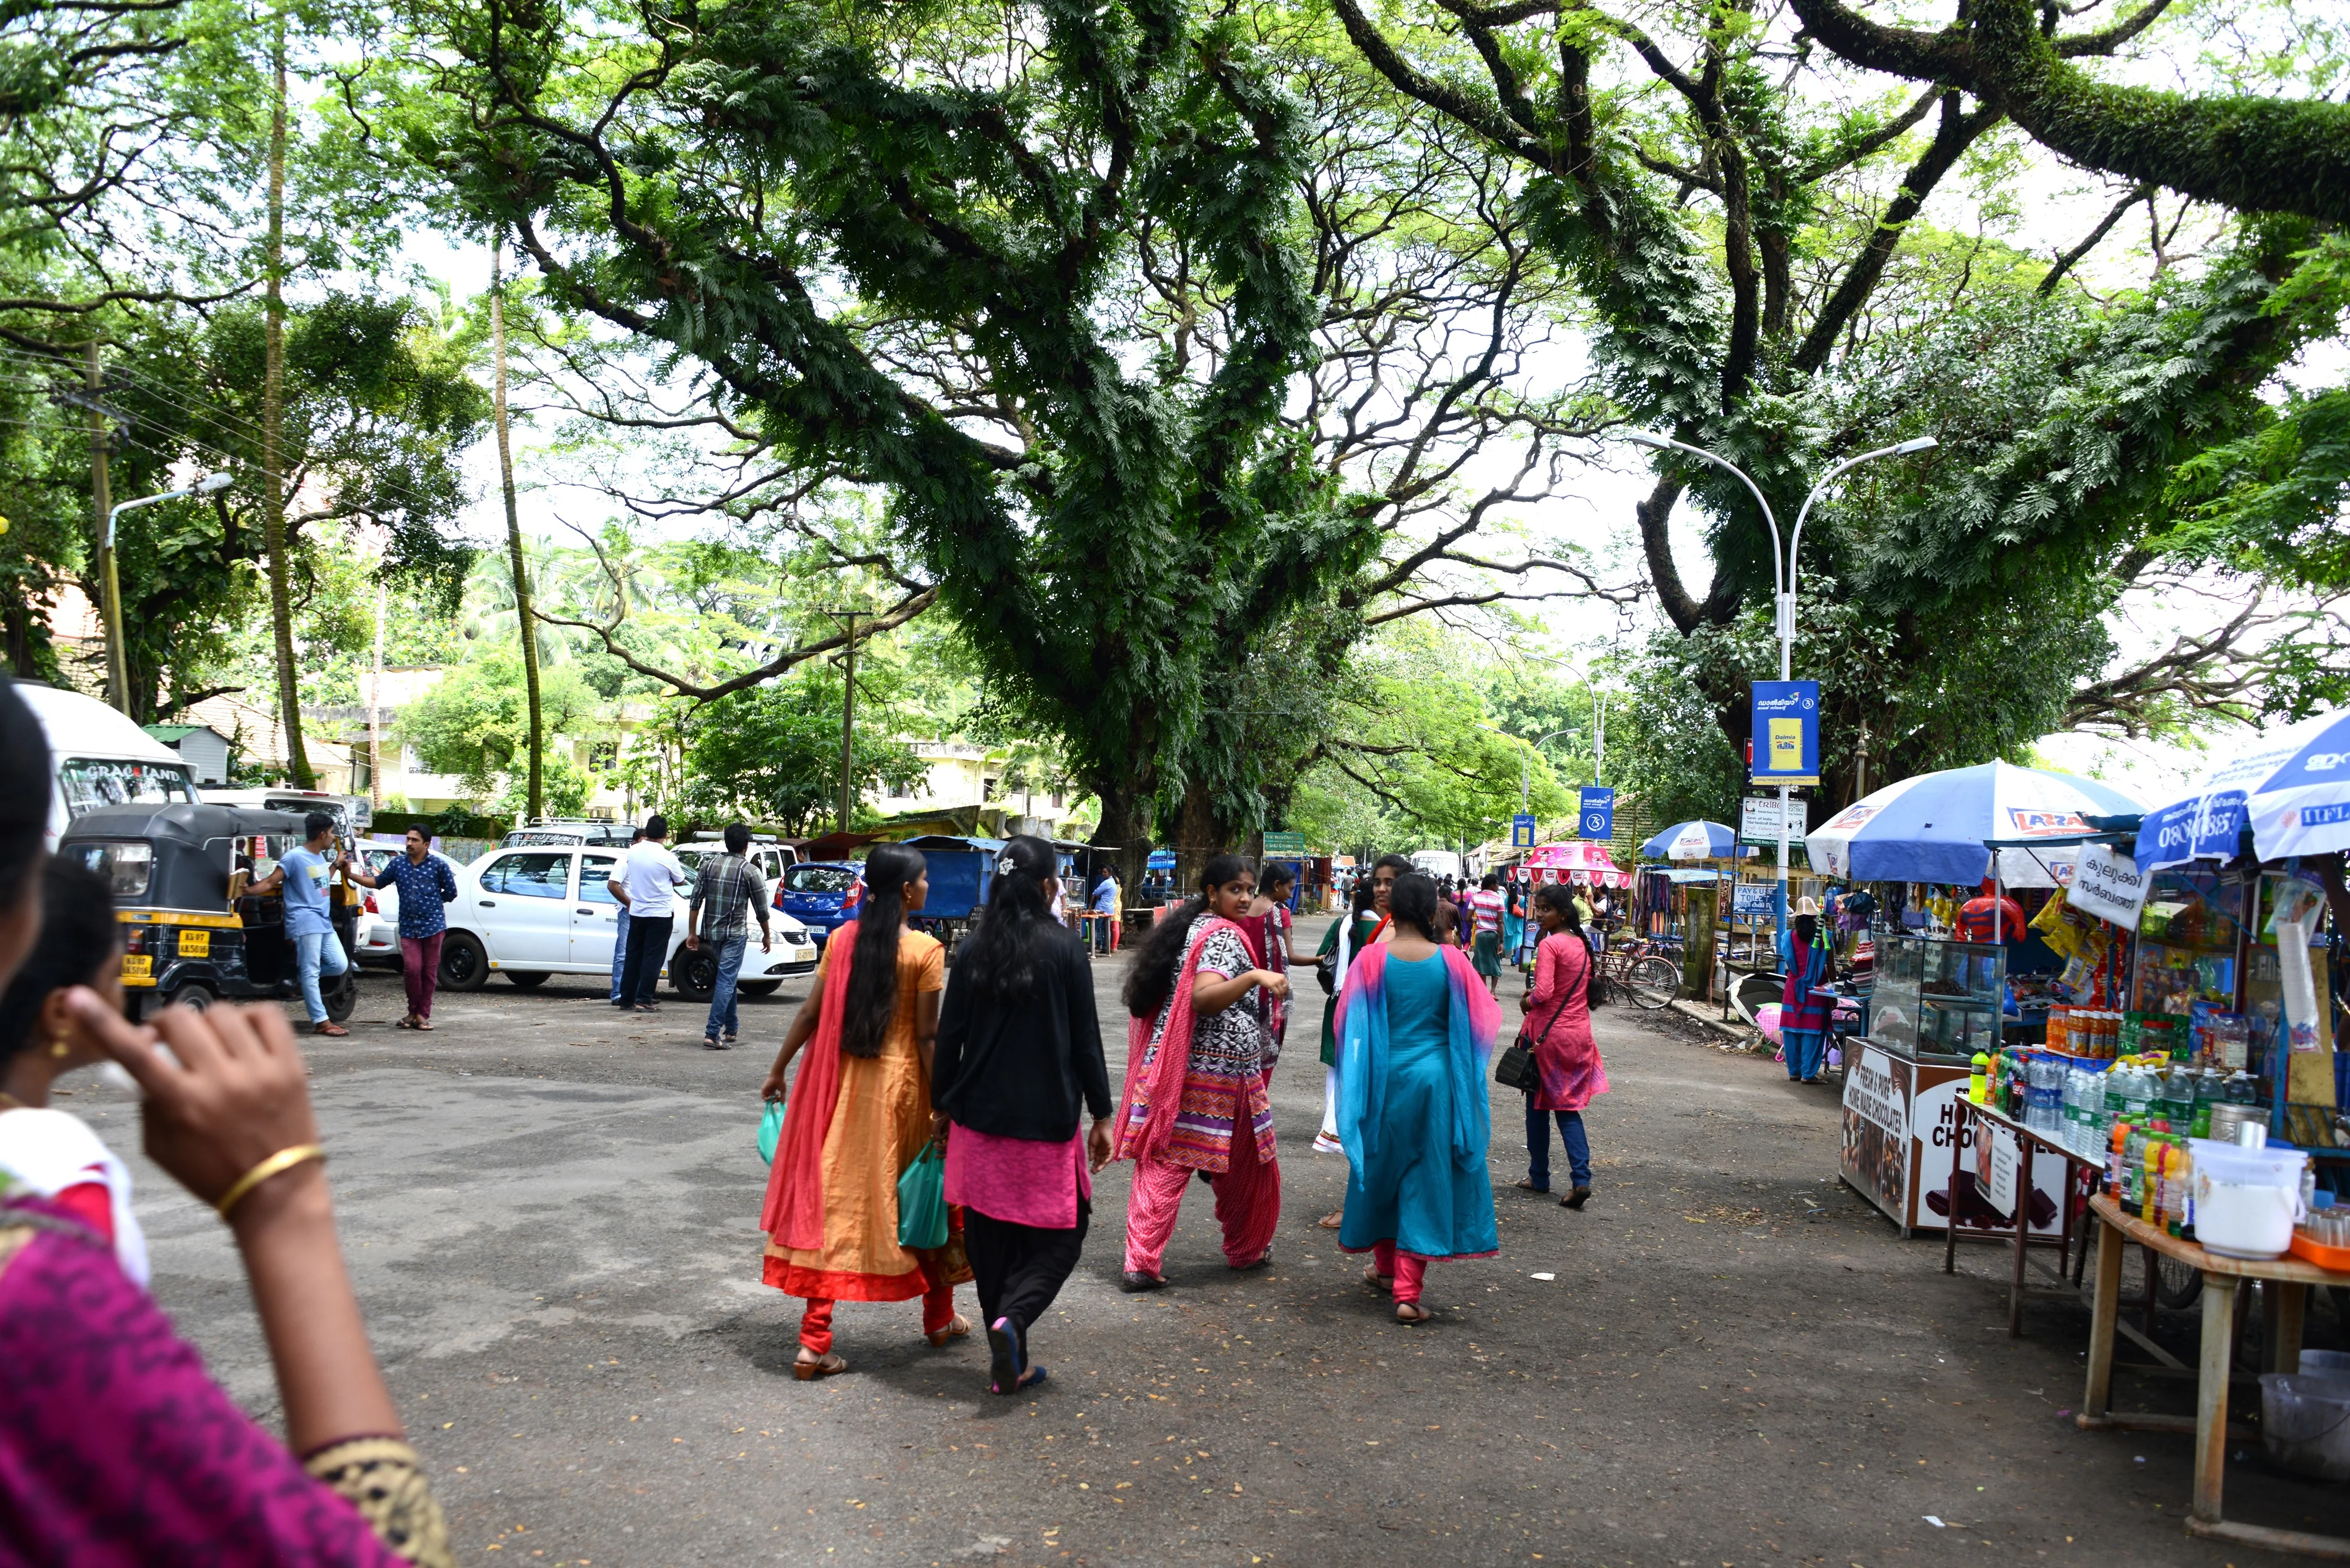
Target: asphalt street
{"type": "Point", "coordinates": [550, 1210]}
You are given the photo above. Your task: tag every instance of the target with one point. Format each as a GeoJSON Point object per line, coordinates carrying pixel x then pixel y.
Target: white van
{"type": "Point", "coordinates": [353, 815]}
{"type": "Point", "coordinates": [1438, 863]}
{"type": "Point", "coordinates": [97, 757]}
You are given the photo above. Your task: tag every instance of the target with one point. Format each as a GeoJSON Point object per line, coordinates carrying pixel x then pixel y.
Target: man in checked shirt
{"type": "Point", "coordinates": [727, 885]}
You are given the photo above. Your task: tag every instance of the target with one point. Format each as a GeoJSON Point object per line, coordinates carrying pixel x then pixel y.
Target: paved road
{"type": "Point", "coordinates": [550, 1210]}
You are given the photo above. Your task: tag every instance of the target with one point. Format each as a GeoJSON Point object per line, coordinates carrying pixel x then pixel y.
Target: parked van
{"type": "Point", "coordinates": [1438, 863]}
{"type": "Point", "coordinates": [99, 758]}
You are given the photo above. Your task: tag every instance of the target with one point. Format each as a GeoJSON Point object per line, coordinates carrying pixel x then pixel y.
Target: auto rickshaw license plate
{"type": "Point", "coordinates": [136, 966]}
{"type": "Point", "coordinates": [195, 944]}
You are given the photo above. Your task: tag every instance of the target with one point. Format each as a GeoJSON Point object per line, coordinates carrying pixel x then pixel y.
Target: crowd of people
{"type": "Point", "coordinates": [989, 1083]}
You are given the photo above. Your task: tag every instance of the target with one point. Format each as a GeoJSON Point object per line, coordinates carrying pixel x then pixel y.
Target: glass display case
{"type": "Point", "coordinates": [1936, 1000]}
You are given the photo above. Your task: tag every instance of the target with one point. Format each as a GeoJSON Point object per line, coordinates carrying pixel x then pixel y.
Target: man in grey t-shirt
{"type": "Point", "coordinates": [302, 874]}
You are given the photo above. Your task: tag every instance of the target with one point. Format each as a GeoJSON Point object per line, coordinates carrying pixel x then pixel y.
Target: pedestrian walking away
{"type": "Point", "coordinates": [620, 923]}
{"type": "Point", "coordinates": [723, 888]}
{"type": "Point", "coordinates": [1486, 908]}
{"type": "Point", "coordinates": [1415, 1028]}
{"type": "Point", "coordinates": [858, 1116]}
{"type": "Point", "coordinates": [1195, 1098]}
{"type": "Point", "coordinates": [424, 883]}
{"type": "Point", "coordinates": [647, 884]}
{"type": "Point", "coordinates": [1019, 1051]}
{"type": "Point", "coordinates": [1365, 923]}
{"type": "Point", "coordinates": [1568, 1070]}
{"type": "Point", "coordinates": [301, 877]}
{"type": "Point", "coordinates": [1514, 920]}
{"type": "Point", "coordinates": [1803, 1007]}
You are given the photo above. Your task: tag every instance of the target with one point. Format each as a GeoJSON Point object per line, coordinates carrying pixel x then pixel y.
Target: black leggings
{"type": "Point", "coordinates": [1019, 1269]}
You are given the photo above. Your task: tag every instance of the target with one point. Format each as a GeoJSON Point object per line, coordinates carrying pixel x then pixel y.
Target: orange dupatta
{"type": "Point", "coordinates": [793, 1212]}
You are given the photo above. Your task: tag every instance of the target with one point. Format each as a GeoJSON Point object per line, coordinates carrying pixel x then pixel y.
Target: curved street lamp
{"type": "Point", "coordinates": [118, 673]}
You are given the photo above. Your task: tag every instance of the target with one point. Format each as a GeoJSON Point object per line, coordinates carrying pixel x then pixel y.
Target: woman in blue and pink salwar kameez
{"type": "Point", "coordinates": [1415, 1030]}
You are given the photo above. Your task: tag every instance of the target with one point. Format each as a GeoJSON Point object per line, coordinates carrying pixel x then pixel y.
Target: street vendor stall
{"type": "Point", "coordinates": [1692, 899]}
{"type": "Point", "coordinates": [1935, 1003]}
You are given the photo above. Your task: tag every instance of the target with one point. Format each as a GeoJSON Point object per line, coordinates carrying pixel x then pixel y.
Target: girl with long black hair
{"type": "Point", "coordinates": [1019, 1048]}
{"type": "Point", "coordinates": [1195, 1097]}
{"type": "Point", "coordinates": [859, 1114]}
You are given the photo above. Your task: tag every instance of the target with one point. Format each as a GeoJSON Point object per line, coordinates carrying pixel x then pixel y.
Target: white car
{"type": "Point", "coordinates": [529, 912]}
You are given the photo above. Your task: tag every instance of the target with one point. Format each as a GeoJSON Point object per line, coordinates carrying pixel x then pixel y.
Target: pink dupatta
{"type": "Point", "coordinates": [1161, 1083]}
{"type": "Point", "coordinates": [794, 1212]}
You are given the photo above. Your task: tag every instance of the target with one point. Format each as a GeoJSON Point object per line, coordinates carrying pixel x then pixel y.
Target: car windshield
{"type": "Point", "coordinates": [819, 879]}
{"type": "Point", "coordinates": [89, 782]}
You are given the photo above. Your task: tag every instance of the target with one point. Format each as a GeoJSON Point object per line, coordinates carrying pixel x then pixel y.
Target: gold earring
{"type": "Point", "coordinates": [60, 1045]}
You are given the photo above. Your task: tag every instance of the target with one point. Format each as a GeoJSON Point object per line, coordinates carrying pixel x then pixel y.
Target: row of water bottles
{"type": "Point", "coordinates": [2076, 1106]}
{"type": "Point", "coordinates": [2066, 1104]}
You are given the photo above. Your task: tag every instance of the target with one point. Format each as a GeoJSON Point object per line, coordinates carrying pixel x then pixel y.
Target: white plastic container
{"type": "Point", "coordinates": [2247, 1200]}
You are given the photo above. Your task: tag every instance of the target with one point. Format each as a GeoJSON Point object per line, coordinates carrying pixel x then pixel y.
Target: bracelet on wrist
{"type": "Point", "coordinates": [282, 1160]}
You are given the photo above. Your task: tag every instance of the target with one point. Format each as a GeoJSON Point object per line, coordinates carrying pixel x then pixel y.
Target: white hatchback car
{"type": "Point", "coordinates": [529, 912]}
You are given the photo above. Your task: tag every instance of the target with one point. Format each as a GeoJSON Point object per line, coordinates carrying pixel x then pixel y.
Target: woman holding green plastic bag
{"type": "Point", "coordinates": [859, 1119]}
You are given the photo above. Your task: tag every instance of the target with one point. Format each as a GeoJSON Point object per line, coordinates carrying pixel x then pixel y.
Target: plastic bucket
{"type": "Point", "coordinates": [2305, 1424]}
{"type": "Point", "coordinates": [2246, 1200]}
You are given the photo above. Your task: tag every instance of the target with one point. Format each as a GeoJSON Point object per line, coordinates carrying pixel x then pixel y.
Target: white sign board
{"type": "Point", "coordinates": [2004, 1159]}
{"type": "Point", "coordinates": [2108, 886]}
{"type": "Point", "coordinates": [1872, 1093]}
{"type": "Point", "coordinates": [1758, 819]}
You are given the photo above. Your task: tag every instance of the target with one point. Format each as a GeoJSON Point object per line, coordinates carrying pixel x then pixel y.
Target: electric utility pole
{"type": "Point", "coordinates": [118, 677]}
{"type": "Point", "coordinates": [848, 718]}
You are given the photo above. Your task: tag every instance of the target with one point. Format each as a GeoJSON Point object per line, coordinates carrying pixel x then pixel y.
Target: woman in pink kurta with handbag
{"type": "Point", "coordinates": [1566, 1057]}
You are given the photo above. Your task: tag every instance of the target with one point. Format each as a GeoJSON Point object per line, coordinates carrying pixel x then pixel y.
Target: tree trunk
{"type": "Point", "coordinates": [528, 626]}
{"type": "Point", "coordinates": [1124, 826]}
{"type": "Point", "coordinates": [273, 422]}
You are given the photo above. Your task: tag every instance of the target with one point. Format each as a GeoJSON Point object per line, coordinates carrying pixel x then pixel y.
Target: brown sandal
{"type": "Point", "coordinates": [1333, 1221]}
{"type": "Point", "coordinates": [1377, 1280]}
{"type": "Point", "coordinates": [825, 1366]}
{"type": "Point", "coordinates": [959, 1329]}
{"type": "Point", "coordinates": [1412, 1312]}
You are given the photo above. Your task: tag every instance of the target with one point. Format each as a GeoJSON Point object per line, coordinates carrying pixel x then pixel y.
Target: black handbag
{"type": "Point", "coordinates": [1514, 1068]}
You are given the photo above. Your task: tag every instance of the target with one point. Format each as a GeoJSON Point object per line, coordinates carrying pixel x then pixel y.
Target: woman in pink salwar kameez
{"type": "Point", "coordinates": [1019, 1048]}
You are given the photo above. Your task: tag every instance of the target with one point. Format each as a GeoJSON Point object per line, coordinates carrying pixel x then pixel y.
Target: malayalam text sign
{"type": "Point", "coordinates": [2108, 886]}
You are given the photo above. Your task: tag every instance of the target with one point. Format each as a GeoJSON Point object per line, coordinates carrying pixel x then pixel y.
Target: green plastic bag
{"type": "Point", "coordinates": [923, 1201]}
{"type": "Point", "coordinates": [770, 1128]}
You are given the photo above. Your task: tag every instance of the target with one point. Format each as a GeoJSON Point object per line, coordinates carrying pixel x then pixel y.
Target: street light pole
{"type": "Point", "coordinates": [1783, 570]}
{"type": "Point", "coordinates": [118, 677]}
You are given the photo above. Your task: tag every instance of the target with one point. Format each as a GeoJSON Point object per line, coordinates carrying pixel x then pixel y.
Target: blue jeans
{"type": "Point", "coordinates": [721, 995]}
{"type": "Point", "coordinates": [318, 953]}
{"type": "Point", "coordinates": [620, 950]}
{"type": "Point", "coordinates": [1570, 1132]}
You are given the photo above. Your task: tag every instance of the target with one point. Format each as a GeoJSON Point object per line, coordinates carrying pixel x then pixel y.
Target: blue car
{"type": "Point", "coordinates": [817, 894]}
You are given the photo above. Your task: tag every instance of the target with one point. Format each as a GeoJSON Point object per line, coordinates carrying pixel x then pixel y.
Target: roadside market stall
{"type": "Point", "coordinates": [1689, 899]}
{"type": "Point", "coordinates": [1936, 1002]}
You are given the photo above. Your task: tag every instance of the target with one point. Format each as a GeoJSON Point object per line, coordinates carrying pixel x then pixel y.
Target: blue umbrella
{"type": "Point", "coordinates": [1934, 828]}
{"type": "Point", "coordinates": [1693, 841]}
{"type": "Point", "coordinates": [2292, 787]}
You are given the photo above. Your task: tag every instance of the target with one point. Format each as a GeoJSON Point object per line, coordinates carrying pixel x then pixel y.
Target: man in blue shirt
{"type": "Point", "coordinates": [302, 874]}
{"type": "Point", "coordinates": [424, 883]}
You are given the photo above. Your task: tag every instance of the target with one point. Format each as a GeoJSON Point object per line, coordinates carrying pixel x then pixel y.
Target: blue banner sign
{"type": "Point", "coordinates": [1786, 732]}
{"type": "Point", "coordinates": [1521, 831]}
{"type": "Point", "coordinates": [1597, 819]}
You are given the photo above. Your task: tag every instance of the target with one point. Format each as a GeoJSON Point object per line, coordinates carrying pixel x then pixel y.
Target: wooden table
{"type": "Point", "coordinates": [2210, 1424]}
{"type": "Point", "coordinates": [2028, 1143]}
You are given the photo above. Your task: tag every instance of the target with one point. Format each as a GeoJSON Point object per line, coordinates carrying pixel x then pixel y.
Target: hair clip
{"type": "Point", "coordinates": [1006, 864]}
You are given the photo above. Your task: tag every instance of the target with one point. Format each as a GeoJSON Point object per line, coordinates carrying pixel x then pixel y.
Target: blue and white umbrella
{"type": "Point", "coordinates": [1934, 828]}
{"type": "Point", "coordinates": [1693, 841]}
{"type": "Point", "coordinates": [2291, 786]}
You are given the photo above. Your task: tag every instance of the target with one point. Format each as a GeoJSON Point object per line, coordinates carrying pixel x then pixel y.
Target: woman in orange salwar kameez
{"type": "Point", "coordinates": [859, 1114]}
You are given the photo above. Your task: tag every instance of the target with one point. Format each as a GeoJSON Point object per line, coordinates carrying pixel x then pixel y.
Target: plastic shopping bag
{"type": "Point", "coordinates": [923, 1201]}
{"type": "Point", "coordinates": [770, 1128]}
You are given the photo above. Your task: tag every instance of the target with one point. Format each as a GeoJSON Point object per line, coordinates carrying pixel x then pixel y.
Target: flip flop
{"type": "Point", "coordinates": [825, 1366]}
{"type": "Point", "coordinates": [1528, 1186]}
{"type": "Point", "coordinates": [1411, 1313]}
{"type": "Point", "coordinates": [1264, 1260]}
{"type": "Point", "coordinates": [959, 1329]}
{"type": "Point", "coordinates": [1377, 1280]}
{"type": "Point", "coordinates": [421, 1024]}
{"type": "Point", "coordinates": [1332, 1221]}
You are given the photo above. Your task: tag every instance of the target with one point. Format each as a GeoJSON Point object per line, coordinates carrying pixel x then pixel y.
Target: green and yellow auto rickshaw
{"type": "Point", "coordinates": [192, 932]}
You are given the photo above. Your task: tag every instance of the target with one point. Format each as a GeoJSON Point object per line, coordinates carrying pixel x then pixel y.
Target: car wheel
{"type": "Point", "coordinates": [194, 994]}
{"type": "Point", "coordinates": [528, 978]}
{"type": "Point", "coordinates": [693, 975]}
{"type": "Point", "coordinates": [465, 963]}
{"type": "Point", "coordinates": [342, 997]}
{"type": "Point", "coordinates": [760, 987]}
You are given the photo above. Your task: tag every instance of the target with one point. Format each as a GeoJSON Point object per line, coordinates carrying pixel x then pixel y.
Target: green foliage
{"type": "Point", "coordinates": [771, 754]}
{"type": "Point", "coordinates": [474, 722]}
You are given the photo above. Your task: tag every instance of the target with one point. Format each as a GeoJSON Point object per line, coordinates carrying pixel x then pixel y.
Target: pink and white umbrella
{"type": "Point", "coordinates": [1579, 860]}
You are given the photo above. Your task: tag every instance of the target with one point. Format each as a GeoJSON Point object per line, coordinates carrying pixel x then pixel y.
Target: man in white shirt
{"type": "Point", "coordinates": [645, 884]}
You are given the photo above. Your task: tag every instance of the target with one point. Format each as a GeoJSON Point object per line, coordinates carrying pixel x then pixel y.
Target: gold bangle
{"type": "Point", "coordinates": [284, 1160]}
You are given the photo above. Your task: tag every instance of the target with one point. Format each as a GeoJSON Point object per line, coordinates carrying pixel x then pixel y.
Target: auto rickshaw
{"type": "Point", "coordinates": [179, 875]}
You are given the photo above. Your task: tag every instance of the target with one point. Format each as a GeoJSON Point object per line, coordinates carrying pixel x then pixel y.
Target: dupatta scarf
{"type": "Point", "coordinates": [1474, 1017]}
{"type": "Point", "coordinates": [1156, 1083]}
{"type": "Point", "coordinates": [794, 1212]}
{"type": "Point", "coordinates": [1799, 1006]}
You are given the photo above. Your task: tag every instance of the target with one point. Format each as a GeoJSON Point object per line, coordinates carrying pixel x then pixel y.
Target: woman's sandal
{"type": "Point", "coordinates": [959, 1329]}
{"type": "Point", "coordinates": [1377, 1280]}
{"type": "Point", "coordinates": [1264, 1261]}
{"type": "Point", "coordinates": [1331, 1221]}
{"type": "Point", "coordinates": [421, 1024]}
{"type": "Point", "coordinates": [1412, 1312]}
{"type": "Point", "coordinates": [825, 1366]}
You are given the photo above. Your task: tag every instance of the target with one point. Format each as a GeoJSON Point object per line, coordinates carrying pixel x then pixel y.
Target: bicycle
{"type": "Point", "coordinates": [1644, 970]}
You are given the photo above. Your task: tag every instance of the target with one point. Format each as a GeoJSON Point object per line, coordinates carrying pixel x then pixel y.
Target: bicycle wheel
{"type": "Point", "coordinates": [2176, 1284]}
{"type": "Point", "coordinates": [1655, 982]}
